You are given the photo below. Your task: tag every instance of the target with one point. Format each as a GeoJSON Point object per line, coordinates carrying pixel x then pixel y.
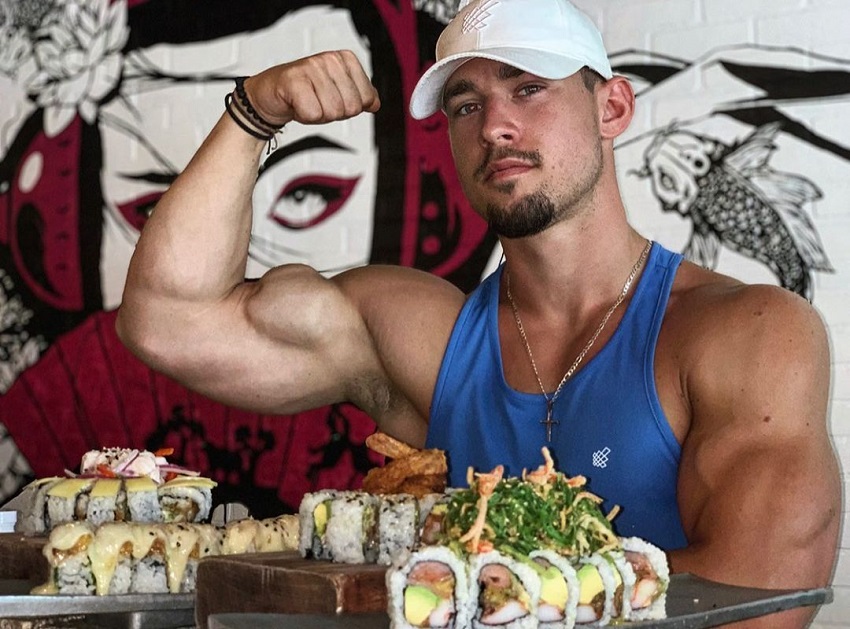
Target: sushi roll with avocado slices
{"type": "Point", "coordinates": [504, 592]}
{"type": "Point", "coordinates": [559, 590]}
{"type": "Point", "coordinates": [68, 500]}
{"type": "Point", "coordinates": [428, 587]}
{"type": "Point", "coordinates": [352, 530]}
{"type": "Point", "coordinates": [398, 521]}
{"type": "Point", "coordinates": [67, 555]}
{"type": "Point", "coordinates": [186, 499]}
{"type": "Point", "coordinates": [648, 598]}
{"type": "Point", "coordinates": [313, 515]}
{"type": "Point", "coordinates": [598, 583]}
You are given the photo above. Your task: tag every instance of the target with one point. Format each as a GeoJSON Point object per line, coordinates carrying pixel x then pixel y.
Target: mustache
{"type": "Point", "coordinates": [495, 154]}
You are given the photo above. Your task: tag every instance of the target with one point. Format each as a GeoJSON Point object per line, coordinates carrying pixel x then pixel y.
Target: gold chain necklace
{"type": "Point", "coordinates": [550, 401]}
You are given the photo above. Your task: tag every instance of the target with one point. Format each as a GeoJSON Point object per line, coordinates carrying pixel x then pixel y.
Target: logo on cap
{"type": "Point", "coordinates": [476, 19]}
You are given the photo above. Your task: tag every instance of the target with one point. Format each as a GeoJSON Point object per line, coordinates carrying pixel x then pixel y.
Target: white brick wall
{"type": "Point", "coordinates": [689, 29]}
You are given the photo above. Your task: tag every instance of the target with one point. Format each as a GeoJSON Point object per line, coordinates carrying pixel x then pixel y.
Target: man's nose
{"type": "Point", "coordinates": [499, 123]}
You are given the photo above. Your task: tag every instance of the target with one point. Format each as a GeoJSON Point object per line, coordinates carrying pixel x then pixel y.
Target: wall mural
{"type": "Point", "coordinates": [93, 91]}
{"type": "Point", "coordinates": [713, 164]}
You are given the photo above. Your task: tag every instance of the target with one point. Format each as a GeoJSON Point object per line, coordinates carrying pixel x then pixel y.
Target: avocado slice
{"type": "Point", "coordinates": [419, 602]}
{"type": "Point", "coordinates": [590, 584]}
{"type": "Point", "coordinates": [321, 514]}
{"type": "Point", "coordinates": [553, 588]}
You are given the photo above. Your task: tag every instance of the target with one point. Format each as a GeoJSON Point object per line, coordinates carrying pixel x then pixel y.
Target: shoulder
{"type": "Point", "coordinates": [746, 348]}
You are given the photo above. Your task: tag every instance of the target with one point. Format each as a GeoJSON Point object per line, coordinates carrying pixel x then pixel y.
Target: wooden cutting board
{"type": "Point", "coordinates": [285, 583]}
{"type": "Point", "coordinates": [21, 558]}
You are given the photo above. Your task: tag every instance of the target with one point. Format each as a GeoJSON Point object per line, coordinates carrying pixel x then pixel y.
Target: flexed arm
{"type": "Point", "coordinates": [187, 310]}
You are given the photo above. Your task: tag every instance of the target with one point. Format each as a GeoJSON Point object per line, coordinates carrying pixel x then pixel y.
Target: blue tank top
{"type": "Point", "coordinates": [612, 429]}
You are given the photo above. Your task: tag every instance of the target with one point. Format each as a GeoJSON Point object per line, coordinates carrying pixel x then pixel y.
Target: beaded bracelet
{"type": "Point", "coordinates": [240, 117]}
{"type": "Point", "coordinates": [248, 107]}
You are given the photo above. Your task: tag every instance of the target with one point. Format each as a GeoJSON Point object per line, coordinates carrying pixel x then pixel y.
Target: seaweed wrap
{"type": "Point", "coordinates": [559, 590]}
{"type": "Point", "coordinates": [504, 591]}
{"type": "Point", "coordinates": [428, 587]}
{"type": "Point", "coordinates": [313, 515]}
{"type": "Point", "coordinates": [648, 600]}
{"type": "Point", "coordinates": [398, 521]}
{"type": "Point", "coordinates": [352, 529]}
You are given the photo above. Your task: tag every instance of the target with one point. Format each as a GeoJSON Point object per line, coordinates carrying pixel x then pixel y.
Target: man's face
{"type": "Point", "coordinates": [527, 150]}
{"type": "Point", "coordinates": [314, 199]}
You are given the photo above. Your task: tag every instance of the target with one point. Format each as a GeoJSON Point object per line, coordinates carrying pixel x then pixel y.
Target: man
{"type": "Point", "coordinates": [586, 333]}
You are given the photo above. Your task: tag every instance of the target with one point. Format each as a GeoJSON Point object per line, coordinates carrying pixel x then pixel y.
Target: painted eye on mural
{"type": "Point", "coordinates": [310, 200]}
{"type": "Point", "coordinates": [137, 211]}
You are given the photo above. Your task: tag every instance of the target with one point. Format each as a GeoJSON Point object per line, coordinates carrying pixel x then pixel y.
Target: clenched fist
{"type": "Point", "coordinates": [314, 90]}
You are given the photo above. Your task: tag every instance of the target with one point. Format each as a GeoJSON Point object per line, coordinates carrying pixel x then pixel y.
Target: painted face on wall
{"type": "Point", "coordinates": [314, 199]}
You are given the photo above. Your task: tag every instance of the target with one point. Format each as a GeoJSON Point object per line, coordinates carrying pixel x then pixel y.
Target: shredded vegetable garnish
{"type": "Point", "coordinates": [543, 509]}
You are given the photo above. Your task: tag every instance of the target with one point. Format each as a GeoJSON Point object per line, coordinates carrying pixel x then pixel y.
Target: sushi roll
{"type": "Point", "coordinates": [182, 553]}
{"type": "Point", "coordinates": [428, 587]}
{"type": "Point", "coordinates": [34, 519]}
{"type": "Point", "coordinates": [107, 502]}
{"type": "Point", "coordinates": [432, 510]}
{"type": "Point", "coordinates": [624, 584]}
{"type": "Point", "coordinates": [66, 552]}
{"type": "Point", "coordinates": [111, 557]}
{"type": "Point", "coordinates": [559, 590]}
{"type": "Point", "coordinates": [67, 500]}
{"type": "Point", "coordinates": [504, 592]}
{"type": "Point", "coordinates": [149, 559]}
{"type": "Point", "coordinates": [186, 499]}
{"type": "Point", "coordinates": [313, 515]}
{"type": "Point", "coordinates": [648, 600]}
{"type": "Point", "coordinates": [398, 521]}
{"type": "Point", "coordinates": [240, 537]}
{"type": "Point", "coordinates": [142, 500]}
{"type": "Point", "coordinates": [277, 534]}
{"type": "Point", "coordinates": [598, 584]}
{"type": "Point", "coordinates": [352, 530]}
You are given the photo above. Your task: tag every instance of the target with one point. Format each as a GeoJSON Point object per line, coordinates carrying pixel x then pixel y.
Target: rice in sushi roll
{"type": "Point", "coordinates": [398, 521]}
{"type": "Point", "coordinates": [504, 592]}
{"type": "Point", "coordinates": [352, 529]}
{"type": "Point", "coordinates": [559, 590]}
{"type": "Point", "coordinates": [34, 519]}
{"type": "Point", "coordinates": [67, 500]}
{"type": "Point", "coordinates": [66, 552]}
{"type": "Point", "coordinates": [186, 499]}
{"type": "Point", "coordinates": [313, 515]}
{"type": "Point", "coordinates": [111, 556]}
{"type": "Point", "coordinates": [142, 500]}
{"type": "Point", "coordinates": [428, 587]}
{"type": "Point", "coordinates": [652, 578]}
{"type": "Point", "coordinates": [107, 502]}
{"type": "Point", "coordinates": [150, 575]}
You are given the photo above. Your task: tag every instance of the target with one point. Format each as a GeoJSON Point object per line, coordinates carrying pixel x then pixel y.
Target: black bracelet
{"type": "Point", "coordinates": [248, 107]}
{"type": "Point", "coordinates": [228, 106]}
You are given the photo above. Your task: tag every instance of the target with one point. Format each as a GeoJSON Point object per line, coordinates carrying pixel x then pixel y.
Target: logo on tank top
{"type": "Point", "coordinates": [600, 457]}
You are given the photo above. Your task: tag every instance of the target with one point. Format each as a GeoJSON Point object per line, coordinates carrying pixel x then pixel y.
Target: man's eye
{"type": "Point", "coordinates": [466, 109]}
{"type": "Point", "coordinates": [528, 90]}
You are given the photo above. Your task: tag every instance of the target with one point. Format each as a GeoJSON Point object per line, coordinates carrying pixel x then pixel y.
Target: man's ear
{"type": "Point", "coordinates": [617, 106]}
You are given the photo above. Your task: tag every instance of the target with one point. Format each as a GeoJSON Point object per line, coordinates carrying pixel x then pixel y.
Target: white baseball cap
{"type": "Point", "coordinates": [551, 39]}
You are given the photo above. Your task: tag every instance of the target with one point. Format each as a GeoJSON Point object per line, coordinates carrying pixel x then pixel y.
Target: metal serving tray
{"type": "Point", "coordinates": [151, 611]}
{"type": "Point", "coordinates": [692, 603]}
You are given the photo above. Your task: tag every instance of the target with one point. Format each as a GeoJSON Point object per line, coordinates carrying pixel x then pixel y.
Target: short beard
{"type": "Point", "coordinates": [538, 211]}
{"type": "Point", "coordinates": [527, 217]}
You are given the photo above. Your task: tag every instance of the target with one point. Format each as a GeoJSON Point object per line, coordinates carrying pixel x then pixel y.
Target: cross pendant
{"type": "Point", "coordinates": [549, 421]}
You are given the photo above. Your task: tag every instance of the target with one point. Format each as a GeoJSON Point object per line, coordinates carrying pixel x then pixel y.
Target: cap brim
{"type": "Point", "coordinates": [428, 94]}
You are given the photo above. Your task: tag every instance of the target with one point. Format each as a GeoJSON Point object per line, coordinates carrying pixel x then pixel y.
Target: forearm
{"type": "Point", "coordinates": [194, 246]}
